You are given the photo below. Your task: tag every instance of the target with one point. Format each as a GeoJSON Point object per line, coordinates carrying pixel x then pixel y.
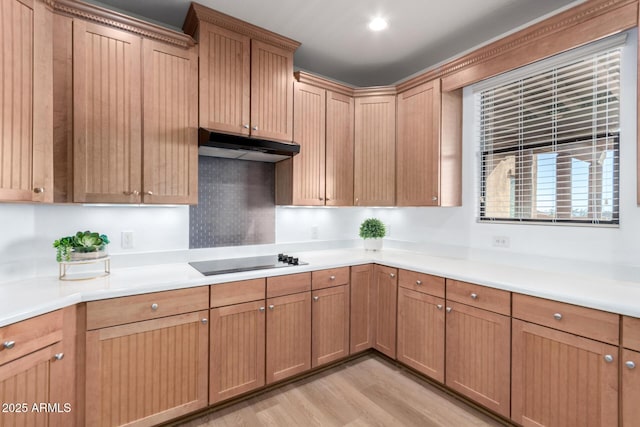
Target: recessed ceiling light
{"type": "Point", "coordinates": [377, 24]}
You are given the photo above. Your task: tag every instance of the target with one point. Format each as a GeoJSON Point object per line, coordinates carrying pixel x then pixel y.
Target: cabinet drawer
{"type": "Point", "coordinates": [118, 311]}
{"type": "Point", "coordinates": [30, 335]}
{"type": "Point", "coordinates": [420, 282]}
{"type": "Point", "coordinates": [491, 299]}
{"type": "Point", "coordinates": [290, 284]}
{"type": "Point", "coordinates": [631, 333]}
{"type": "Point", "coordinates": [237, 292]}
{"type": "Point", "coordinates": [330, 278]}
{"type": "Point", "coordinates": [586, 322]}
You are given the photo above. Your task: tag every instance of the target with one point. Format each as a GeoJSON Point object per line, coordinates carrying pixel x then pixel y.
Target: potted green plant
{"type": "Point", "coordinates": [372, 230]}
{"type": "Point", "coordinates": [81, 246]}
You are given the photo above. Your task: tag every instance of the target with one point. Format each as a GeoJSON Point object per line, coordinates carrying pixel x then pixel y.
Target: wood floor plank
{"type": "Point", "coordinates": [365, 392]}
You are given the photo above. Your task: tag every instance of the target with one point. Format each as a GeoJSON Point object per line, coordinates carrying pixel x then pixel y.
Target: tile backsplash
{"type": "Point", "coordinates": [236, 204]}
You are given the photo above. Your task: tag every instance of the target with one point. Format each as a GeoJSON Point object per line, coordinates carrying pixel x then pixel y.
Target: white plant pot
{"type": "Point", "coordinates": [372, 244]}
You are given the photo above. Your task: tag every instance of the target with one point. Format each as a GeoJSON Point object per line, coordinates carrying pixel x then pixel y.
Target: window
{"type": "Point", "coordinates": [549, 137]}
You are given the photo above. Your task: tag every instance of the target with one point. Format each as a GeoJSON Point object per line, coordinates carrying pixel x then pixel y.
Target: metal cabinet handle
{"type": "Point", "coordinates": [434, 198]}
{"type": "Point", "coordinates": [629, 364]}
{"type": "Point", "coordinates": [608, 358]}
{"type": "Point", "coordinates": [474, 296]}
{"type": "Point", "coordinates": [271, 307]}
{"type": "Point", "coordinates": [332, 277]}
{"type": "Point", "coordinates": [557, 316]}
{"type": "Point", "coordinates": [154, 306]}
{"type": "Point", "coordinates": [245, 126]}
{"type": "Point", "coordinates": [418, 282]}
{"type": "Point", "coordinates": [449, 309]}
{"type": "Point", "coordinates": [38, 190]}
{"type": "Point", "coordinates": [205, 321]}
{"type": "Point", "coordinates": [392, 275]}
{"type": "Point", "coordinates": [261, 309]}
{"type": "Point", "coordinates": [8, 345]}
{"type": "Point", "coordinates": [255, 128]}
{"type": "Point", "coordinates": [58, 356]}
{"type": "Point", "coordinates": [316, 298]}
{"type": "Point", "coordinates": [439, 306]}
{"type": "Point", "coordinates": [148, 193]}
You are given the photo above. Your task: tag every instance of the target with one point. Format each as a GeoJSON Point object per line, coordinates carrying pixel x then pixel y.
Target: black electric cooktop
{"type": "Point", "coordinates": [234, 265]}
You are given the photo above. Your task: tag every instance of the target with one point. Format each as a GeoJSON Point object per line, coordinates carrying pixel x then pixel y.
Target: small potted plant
{"type": "Point", "coordinates": [83, 245]}
{"type": "Point", "coordinates": [372, 230]}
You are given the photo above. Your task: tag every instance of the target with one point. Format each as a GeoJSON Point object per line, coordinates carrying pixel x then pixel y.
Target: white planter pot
{"type": "Point", "coordinates": [372, 244]}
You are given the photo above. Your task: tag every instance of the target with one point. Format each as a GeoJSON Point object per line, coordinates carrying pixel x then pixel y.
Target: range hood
{"type": "Point", "coordinates": [215, 144]}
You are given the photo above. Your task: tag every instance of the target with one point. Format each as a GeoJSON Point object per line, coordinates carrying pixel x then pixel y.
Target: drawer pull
{"type": "Point", "coordinates": [205, 321]}
{"type": "Point", "coordinates": [449, 309]}
{"type": "Point", "coordinates": [418, 282]}
{"type": "Point", "coordinates": [261, 309]}
{"type": "Point", "coordinates": [58, 356]}
{"type": "Point", "coordinates": [332, 278]}
{"type": "Point", "coordinates": [392, 275]}
{"type": "Point", "coordinates": [9, 344]}
{"type": "Point", "coordinates": [316, 298]}
{"type": "Point", "coordinates": [474, 296]}
{"type": "Point", "coordinates": [439, 306]}
{"type": "Point", "coordinates": [271, 307]}
{"type": "Point", "coordinates": [154, 306]}
{"type": "Point", "coordinates": [608, 358]}
{"type": "Point", "coordinates": [629, 364]}
{"type": "Point", "coordinates": [557, 316]}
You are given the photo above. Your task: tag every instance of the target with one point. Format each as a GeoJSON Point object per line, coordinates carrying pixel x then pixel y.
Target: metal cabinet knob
{"type": "Point", "coordinates": [8, 345]}
{"type": "Point", "coordinates": [316, 298]}
{"type": "Point", "coordinates": [449, 309]}
{"type": "Point", "coordinates": [148, 193]}
{"type": "Point", "coordinates": [38, 190]}
{"type": "Point", "coordinates": [557, 316]}
{"type": "Point", "coordinates": [392, 275]}
{"type": "Point", "coordinates": [332, 277]}
{"type": "Point", "coordinates": [154, 306]}
{"type": "Point", "coordinates": [261, 309]}
{"type": "Point", "coordinates": [357, 200]}
{"type": "Point", "coordinates": [474, 296]}
{"type": "Point", "coordinates": [58, 356]}
{"type": "Point", "coordinates": [608, 358]}
{"type": "Point", "coordinates": [245, 126]}
{"type": "Point", "coordinates": [205, 321]}
{"type": "Point", "coordinates": [321, 199]}
{"type": "Point", "coordinates": [629, 364]}
{"type": "Point", "coordinates": [255, 128]}
{"type": "Point", "coordinates": [439, 306]}
{"type": "Point", "coordinates": [434, 198]}
{"type": "Point", "coordinates": [271, 307]}
{"type": "Point", "coordinates": [418, 282]}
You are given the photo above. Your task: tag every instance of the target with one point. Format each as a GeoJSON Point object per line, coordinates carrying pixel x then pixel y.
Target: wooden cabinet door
{"type": "Point", "coordinates": [147, 372]}
{"type": "Point", "coordinates": [271, 92]}
{"type": "Point", "coordinates": [237, 350]}
{"type": "Point", "coordinates": [330, 325]}
{"type": "Point", "coordinates": [375, 151]}
{"type": "Point", "coordinates": [418, 147]}
{"type": "Point", "coordinates": [478, 355]}
{"type": "Point", "coordinates": [421, 332]}
{"type": "Point", "coordinates": [561, 379]}
{"type": "Point", "coordinates": [35, 379]}
{"type": "Point", "coordinates": [26, 120]}
{"type": "Point", "coordinates": [309, 131]}
{"type": "Point", "coordinates": [630, 388]}
{"type": "Point", "coordinates": [225, 79]}
{"type": "Point", "coordinates": [362, 308]}
{"type": "Point", "coordinates": [107, 114]}
{"type": "Point", "coordinates": [385, 292]}
{"type": "Point", "coordinates": [170, 173]}
{"type": "Point", "coordinates": [339, 150]}
{"type": "Point", "coordinates": [288, 336]}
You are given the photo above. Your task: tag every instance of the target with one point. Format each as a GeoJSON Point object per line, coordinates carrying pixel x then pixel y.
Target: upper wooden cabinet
{"type": "Point", "coordinates": [246, 76]}
{"type": "Point", "coordinates": [26, 166]}
{"type": "Point", "coordinates": [322, 174]}
{"type": "Point", "coordinates": [429, 147]}
{"type": "Point", "coordinates": [375, 150]}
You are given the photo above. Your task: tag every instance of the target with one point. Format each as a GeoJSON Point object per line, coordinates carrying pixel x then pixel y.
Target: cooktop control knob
{"type": "Point", "coordinates": [294, 261]}
{"type": "Point", "coordinates": [281, 257]}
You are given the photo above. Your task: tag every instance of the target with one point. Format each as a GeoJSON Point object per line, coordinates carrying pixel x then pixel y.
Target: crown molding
{"type": "Point", "coordinates": [324, 83]}
{"type": "Point", "coordinates": [374, 91]}
{"type": "Point", "coordinates": [198, 13]}
{"type": "Point", "coordinates": [121, 21]}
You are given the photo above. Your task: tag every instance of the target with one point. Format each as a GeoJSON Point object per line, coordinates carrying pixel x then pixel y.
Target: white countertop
{"type": "Point", "coordinates": [23, 299]}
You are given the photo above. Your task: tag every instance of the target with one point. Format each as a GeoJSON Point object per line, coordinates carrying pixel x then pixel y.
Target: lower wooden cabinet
{"type": "Point", "coordinates": [630, 388]}
{"type": "Point", "coordinates": [237, 350]}
{"type": "Point", "coordinates": [147, 372]}
{"type": "Point", "coordinates": [421, 332]}
{"type": "Point", "coordinates": [478, 344]}
{"type": "Point", "coordinates": [563, 380]}
{"type": "Point", "coordinates": [288, 336]}
{"type": "Point", "coordinates": [385, 297]}
{"type": "Point", "coordinates": [330, 325]}
{"type": "Point", "coordinates": [361, 322]}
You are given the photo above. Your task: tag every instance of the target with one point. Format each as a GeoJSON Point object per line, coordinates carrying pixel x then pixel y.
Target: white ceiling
{"type": "Point", "coordinates": [337, 43]}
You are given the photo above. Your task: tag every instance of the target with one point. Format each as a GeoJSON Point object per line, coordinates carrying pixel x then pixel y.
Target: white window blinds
{"type": "Point", "coordinates": [549, 143]}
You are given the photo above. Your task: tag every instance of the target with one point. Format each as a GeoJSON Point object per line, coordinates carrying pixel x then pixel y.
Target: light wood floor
{"type": "Point", "coordinates": [368, 391]}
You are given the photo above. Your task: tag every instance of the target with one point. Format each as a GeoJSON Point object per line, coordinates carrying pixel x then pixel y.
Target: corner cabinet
{"type": "Point", "coordinates": [375, 149]}
{"type": "Point", "coordinates": [246, 76]}
{"type": "Point", "coordinates": [385, 297]}
{"type": "Point", "coordinates": [26, 155]}
{"type": "Point", "coordinates": [429, 147]}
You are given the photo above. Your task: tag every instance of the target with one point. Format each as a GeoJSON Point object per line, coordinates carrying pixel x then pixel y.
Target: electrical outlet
{"type": "Point", "coordinates": [126, 240]}
{"type": "Point", "coordinates": [314, 232]}
{"type": "Point", "coordinates": [501, 241]}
